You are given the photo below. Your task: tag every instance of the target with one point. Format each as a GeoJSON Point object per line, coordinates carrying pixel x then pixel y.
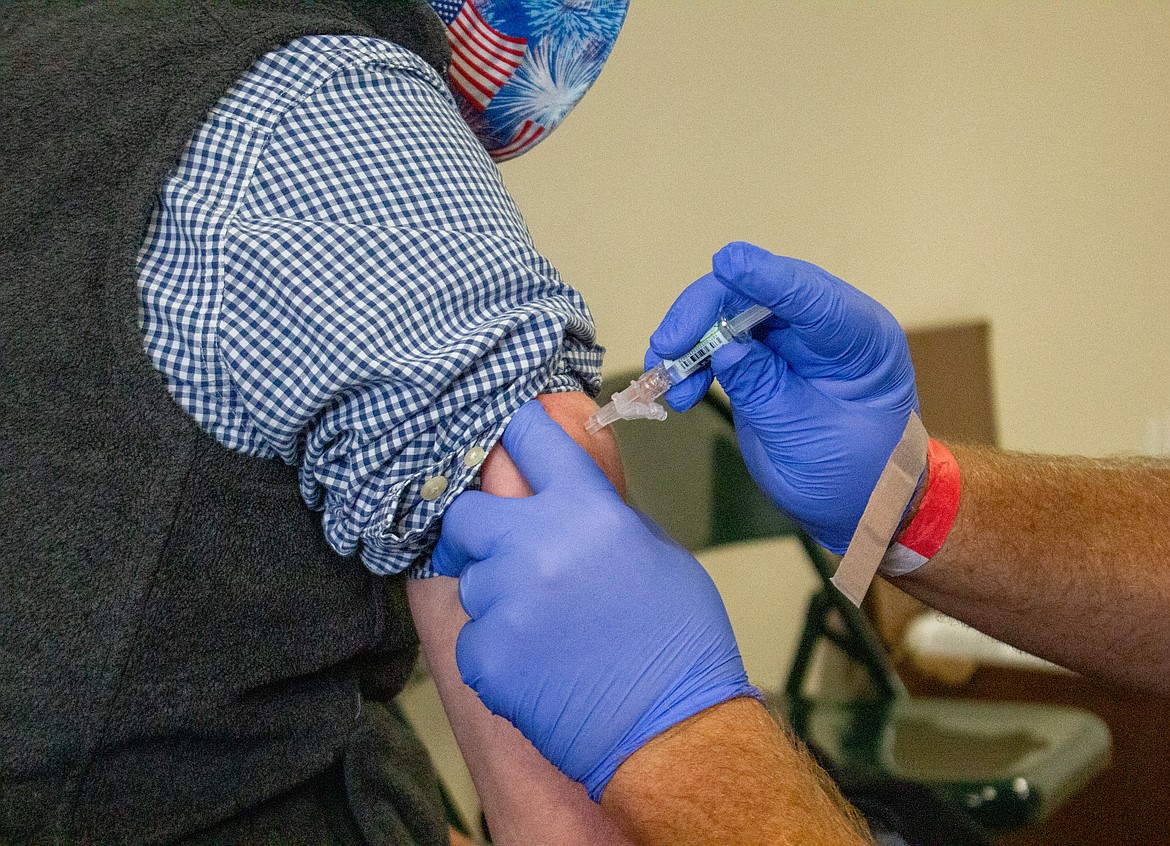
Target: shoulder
{"type": "Point", "coordinates": [285, 78]}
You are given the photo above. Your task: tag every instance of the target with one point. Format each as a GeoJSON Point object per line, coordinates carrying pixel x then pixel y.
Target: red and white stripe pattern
{"type": "Point", "coordinates": [482, 59]}
{"type": "Point", "coordinates": [524, 139]}
{"type": "Point", "coordinates": [923, 538]}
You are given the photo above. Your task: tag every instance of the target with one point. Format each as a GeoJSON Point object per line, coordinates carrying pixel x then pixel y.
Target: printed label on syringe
{"type": "Point", "coordinates": [710, 342]}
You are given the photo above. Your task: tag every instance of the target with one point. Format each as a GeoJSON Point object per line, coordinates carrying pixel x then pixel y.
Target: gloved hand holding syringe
{"type": "Point", "coordinates": [638, 401]}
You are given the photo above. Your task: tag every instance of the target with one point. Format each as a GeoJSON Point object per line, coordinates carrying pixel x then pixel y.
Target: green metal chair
{"type": "Point", "coordinates": [1009, 764]}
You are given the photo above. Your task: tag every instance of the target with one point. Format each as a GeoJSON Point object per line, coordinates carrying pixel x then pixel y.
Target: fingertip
{"type": "Point", "coordinates": [689, 317]}
{"type": "Point", "coordinates": [736, 259]}
{"type": "Point", "coordinates": [445, 561]}
{"type": "Point", "coordinates": [477, 657]}
{"type": "Point", "coordinates": [468, 531]}
{"type": "Point", "coordinates": [529, 416]}
{"type": "Point", "coordinates": [760, 276]}
{"type": "Point", "coordinates": [684, 395]}
{"type": "Point", "coordinates": [663, 341]}
{"type": "Point", "coordinates": [476, 590]}
{"type": "Point", "coordinates": [464, 597]}
{"type": "Point", "coordinates": [449, 556]}
{"type": "Point", "coordinates": [672, 337]}
{"type": "Point", "coordinates": [530, 411]}
{"type": "Point", "coordinates": [465, 655]}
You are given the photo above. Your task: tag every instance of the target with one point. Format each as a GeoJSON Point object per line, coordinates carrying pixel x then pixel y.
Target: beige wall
{"type": "Point", "coordinates": [955, 160]}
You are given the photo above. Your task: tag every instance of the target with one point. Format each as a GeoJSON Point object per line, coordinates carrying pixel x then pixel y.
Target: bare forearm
{"type": "Point", "coordinates": [1066, 558]}
{"type": "Point", "coordinates": [728, 775]}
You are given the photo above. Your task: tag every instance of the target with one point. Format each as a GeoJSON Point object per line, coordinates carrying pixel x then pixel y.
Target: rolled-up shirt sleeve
{"type": "Point", "coordinates": [382, 310]}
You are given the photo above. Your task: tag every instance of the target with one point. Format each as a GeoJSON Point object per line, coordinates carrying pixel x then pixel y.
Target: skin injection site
{"type": "Point", "coordinates": [584, 423]}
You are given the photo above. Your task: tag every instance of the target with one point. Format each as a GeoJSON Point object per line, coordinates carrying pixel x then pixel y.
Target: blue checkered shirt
{"type": "Point", "coordinates": [335, 275]}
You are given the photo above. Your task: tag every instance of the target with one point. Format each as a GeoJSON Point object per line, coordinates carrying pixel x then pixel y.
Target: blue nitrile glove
{"type": "Point", "coordinates": [590, 631]}
{"type": "Point", "coordinates": [821, 394]}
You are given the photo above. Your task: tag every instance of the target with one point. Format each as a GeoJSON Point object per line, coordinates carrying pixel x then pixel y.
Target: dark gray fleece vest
{"type": "Point", "coordinates": [177, 642]}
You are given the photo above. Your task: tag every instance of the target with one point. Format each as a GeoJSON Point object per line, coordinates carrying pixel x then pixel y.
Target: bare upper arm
{"type": "Point", "coordinates": [570, 409]}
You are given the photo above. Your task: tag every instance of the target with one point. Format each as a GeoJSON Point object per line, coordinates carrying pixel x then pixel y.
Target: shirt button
{"type": "Point", "coordinates": [474, 457]}
{"type": "Point", "coordinates": [433, 488]}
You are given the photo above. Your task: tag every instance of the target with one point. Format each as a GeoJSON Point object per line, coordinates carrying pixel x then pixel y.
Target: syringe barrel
{"type": "Point", "coordinates": [748, 319]}
{"type": "Point", "coordinates": [726, 330]}
{"type": "Point", "coordinates": [638, 400]}
{"type": "Point", "coordinates": [686, 364]}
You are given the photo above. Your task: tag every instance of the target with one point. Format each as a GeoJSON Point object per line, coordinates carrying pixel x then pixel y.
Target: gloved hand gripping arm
{"type": "Point", "coordinates": [650, 641]}
{"type": "Point", "coordinates": [608, 646]}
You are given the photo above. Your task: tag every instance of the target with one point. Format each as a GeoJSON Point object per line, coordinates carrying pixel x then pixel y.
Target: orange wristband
{"type": "Point", "coordinates": [922, 539]}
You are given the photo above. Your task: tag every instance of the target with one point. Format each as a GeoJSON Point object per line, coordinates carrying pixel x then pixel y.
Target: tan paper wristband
{"type": "Point", "coordinates": [883, 512]}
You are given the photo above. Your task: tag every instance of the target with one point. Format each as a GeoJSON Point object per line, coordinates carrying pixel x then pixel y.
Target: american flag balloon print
{"type": "Point", "coordinates": [526, 137]}
{"type": "Point", "coordinates": [518, 66]}
{"type": "Point", "coordinates": [482, 58]}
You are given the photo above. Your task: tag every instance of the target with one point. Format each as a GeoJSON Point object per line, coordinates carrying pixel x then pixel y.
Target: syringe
{"type": "Point", "coordinates": [638, 401]}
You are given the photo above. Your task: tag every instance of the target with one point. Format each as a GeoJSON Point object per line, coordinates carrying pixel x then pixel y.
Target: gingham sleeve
{"type": "Point", "coordinates": [384, 310]}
